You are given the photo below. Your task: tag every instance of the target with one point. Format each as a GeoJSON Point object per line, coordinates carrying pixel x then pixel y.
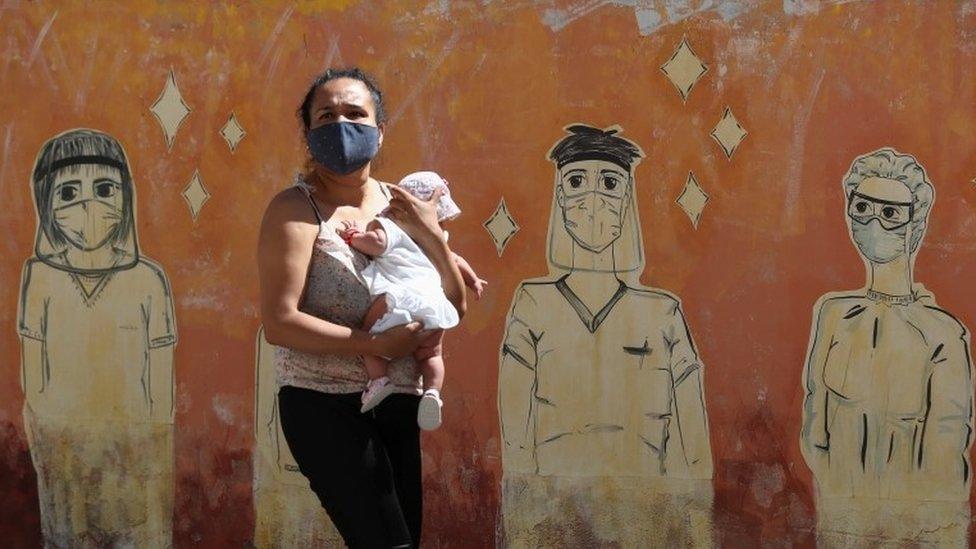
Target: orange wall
{"type": "Point", "coordinates": [479, 92]}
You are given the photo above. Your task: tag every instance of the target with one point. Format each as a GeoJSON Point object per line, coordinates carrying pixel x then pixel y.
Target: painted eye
{"type": "Point", "coordinates": [69, 193]}
{"type": "Point", "coordinates": [861, 207]}
{"type": "Point", "coordinates": [610, 183]}
{"type": "Point", "coordinates": [105, 189]}
{"type": "Point", "coordinates": [889, 212]}
{"type": "Point", "coordinates": [575, 181]}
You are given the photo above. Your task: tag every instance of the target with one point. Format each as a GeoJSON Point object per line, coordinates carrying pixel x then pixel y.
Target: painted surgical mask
{"type": "Point", "coordinates": [88, 214]}
{"type": "Point", "coordinates": [593, 197]}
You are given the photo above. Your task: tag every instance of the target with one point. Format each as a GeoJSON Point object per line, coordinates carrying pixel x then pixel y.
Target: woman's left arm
{"type": "Point", "coordinates": [418, 218]}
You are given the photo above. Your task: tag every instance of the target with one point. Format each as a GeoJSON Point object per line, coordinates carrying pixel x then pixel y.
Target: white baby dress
{"type": "Point", "coordinates": [410, 282]}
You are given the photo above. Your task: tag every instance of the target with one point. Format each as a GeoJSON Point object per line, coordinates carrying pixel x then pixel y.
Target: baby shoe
{"type": "Point", "coordinates": [376, 390]}
{"type": "Point", "coordinates": [429, 411]}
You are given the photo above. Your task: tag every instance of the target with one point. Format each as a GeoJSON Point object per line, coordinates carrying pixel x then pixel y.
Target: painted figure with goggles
{"type": "Point", "coordinates": [887, 414]}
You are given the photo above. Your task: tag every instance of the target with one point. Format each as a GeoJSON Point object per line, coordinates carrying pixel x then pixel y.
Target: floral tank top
{"type": "Point", "coordinates": [335, 292]}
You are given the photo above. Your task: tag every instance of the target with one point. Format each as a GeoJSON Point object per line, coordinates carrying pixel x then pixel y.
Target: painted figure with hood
{"type": "Point", "coordinates": [887, 415]}
{"type": "Point", "coordinates": [599, 377]}
{"type": "Point", "coordinates": [98, 333]}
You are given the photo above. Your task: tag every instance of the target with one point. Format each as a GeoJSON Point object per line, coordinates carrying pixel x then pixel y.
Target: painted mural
{"type": "Point", "coordinates": [286, 511]}
{"type": "Point", "coordinates": [97, 332]}
{"type": "Point", "coordinates": [753, 158]}
{"type": "Point", "coordinates": [888, 410]}
{"type": "Point", "coordinates": [599, 376]}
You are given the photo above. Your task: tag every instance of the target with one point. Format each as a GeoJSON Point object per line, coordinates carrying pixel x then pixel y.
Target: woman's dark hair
{"type": "Point", "coordinates": [304, 111]}
{"type": "Point", "coordinates": [68, 152]}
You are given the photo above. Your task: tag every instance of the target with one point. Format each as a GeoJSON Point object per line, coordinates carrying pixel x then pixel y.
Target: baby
{"type": "Point", "coordinates": [406, 287]}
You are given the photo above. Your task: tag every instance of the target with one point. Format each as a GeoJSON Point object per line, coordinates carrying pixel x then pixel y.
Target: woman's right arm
{"type": "Point", "coordinates": [284, 251]}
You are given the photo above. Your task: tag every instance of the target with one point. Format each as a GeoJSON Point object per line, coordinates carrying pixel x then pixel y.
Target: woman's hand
{"type": "Point", "coordinates": [400, 341]}
{"type": "Point", "coordinates": [418, 218]}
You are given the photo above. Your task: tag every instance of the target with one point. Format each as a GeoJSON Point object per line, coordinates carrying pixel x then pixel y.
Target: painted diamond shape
{"type": "Point", "coordinates": [170, 109]}
{"type": "Point", "coordinates": [195, 194]}
{"type": "Point", "coordinates": [232, 132]}
{"type": "Point", "coordinates": [693, 199]}
{"type": "Point", "coordinates": [684, 69]}
{"type": "Point", "coordinates": [501, 227]}
{"type": "Point", "coordinates": [729, 133]}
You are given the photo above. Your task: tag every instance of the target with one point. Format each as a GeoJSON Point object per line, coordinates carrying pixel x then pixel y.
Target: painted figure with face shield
{"type": "Point", "coordinates": [887, 416]}
{"type": "Point", "coordinates": [599, 377]}
{"type": "Point", "coordinates": [97, 330]}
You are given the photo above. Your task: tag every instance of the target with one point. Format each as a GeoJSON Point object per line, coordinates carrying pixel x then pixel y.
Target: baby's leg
{"type": "Point", "coordinates": [379, 386]}
{"type": "Point", "coordinates": [430, 361]}
{"type": "Point", "coordinates": [431, 364]}
{"type": "Point", "coordinates": [376, 367]}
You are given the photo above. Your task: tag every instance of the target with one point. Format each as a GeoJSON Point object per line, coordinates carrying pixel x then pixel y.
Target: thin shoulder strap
{"type": "Point", "coordinates": [315, 208]}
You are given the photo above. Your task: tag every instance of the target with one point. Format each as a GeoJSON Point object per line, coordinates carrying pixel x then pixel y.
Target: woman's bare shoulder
{"type": "Point", "coordinates": [291, 204]}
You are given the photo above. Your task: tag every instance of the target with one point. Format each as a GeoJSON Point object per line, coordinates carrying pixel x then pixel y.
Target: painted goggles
{"type": "Point", "coordinates": [891, 215]}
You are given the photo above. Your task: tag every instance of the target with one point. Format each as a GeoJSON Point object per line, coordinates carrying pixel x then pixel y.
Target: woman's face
{"type": "Point", "coordinates": [343, 100]}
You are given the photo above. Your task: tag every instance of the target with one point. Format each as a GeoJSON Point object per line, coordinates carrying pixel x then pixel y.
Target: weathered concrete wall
{"type": "Point", "coordinates": [481, 92]}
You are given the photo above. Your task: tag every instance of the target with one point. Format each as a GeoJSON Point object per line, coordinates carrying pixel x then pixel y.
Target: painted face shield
{"type": "Point", "coordinates": [593, 197]}
{"type": "Point", "coordinates": [594, 209]}
{"type": "Point", "coordinates": [84, 198]}
{"type": "Point", "coordinates": [593, 224]}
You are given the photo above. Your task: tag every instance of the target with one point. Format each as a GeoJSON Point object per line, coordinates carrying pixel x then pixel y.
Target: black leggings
{"type": "Point", "coordinates": [364, 468]}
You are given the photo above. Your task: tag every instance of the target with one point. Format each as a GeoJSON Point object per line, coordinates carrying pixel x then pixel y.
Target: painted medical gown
{"type": "Point", "coordinates": [888, 408]}
{"type": "Point", "coordinates": [613, 393]}
{"type": "Point", "coordinates": [103, 455]}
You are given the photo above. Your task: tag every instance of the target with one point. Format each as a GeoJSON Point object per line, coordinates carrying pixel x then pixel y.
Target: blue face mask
{"type": "Point", "coordinates": [343, 147]}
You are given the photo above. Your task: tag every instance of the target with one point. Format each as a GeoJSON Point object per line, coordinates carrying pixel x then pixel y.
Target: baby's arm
{"type": "Point", "coordinates": [371, 242]}
{"type": "Point", "coordinates": [470, 277]}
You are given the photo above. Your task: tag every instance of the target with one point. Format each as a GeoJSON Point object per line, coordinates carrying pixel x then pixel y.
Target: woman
{"type": "Point", "coordinates": [365, 468]}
